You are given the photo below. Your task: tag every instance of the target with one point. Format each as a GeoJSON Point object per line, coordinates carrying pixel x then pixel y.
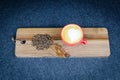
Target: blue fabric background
{"type": "Point", "coordinates": [49, 13]}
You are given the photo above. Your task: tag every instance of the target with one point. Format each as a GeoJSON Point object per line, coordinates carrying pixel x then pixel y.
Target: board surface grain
{"type": "Point", "coordinates": [97, 43]}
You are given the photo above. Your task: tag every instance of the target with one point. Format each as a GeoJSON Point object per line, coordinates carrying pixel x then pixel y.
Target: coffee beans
{"type": "Point", "coordinates": [42, 41]}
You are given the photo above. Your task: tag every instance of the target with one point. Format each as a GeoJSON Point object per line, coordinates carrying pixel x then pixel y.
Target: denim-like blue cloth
{"type": "Point", "coordinates": [51, 13]}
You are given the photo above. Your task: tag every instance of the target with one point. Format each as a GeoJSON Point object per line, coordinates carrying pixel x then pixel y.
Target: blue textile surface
{"type": "Point", "coordinates": [51, 13]}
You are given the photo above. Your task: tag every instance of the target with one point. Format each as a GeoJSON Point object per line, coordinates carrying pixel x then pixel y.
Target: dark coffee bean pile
{"type": "Point", "coordinates": [42, 41]}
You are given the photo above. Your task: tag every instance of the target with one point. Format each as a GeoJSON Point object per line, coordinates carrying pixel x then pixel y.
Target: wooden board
{"type": "Point", "coordinates": [97, 43]}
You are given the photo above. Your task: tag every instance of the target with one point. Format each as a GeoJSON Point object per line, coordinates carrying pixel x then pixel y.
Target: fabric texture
{"type": "Point", "coordinates": [57, 13]}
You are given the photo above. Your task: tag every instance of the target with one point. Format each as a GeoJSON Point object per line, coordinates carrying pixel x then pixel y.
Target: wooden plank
{"type": "Point", "coordinates": [97, 43]}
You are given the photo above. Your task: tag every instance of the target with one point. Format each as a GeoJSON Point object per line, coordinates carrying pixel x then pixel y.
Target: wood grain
{"type": "Point", "coordinates": [97, 43]}
{"type": "Point", "coordinates": [90, 33]}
